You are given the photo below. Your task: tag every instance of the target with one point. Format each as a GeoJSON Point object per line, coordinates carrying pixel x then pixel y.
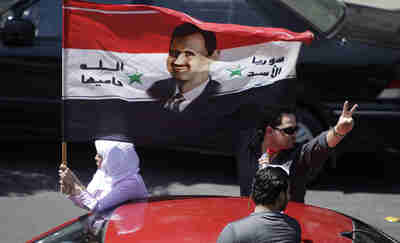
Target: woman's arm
{"type": "Point", "coordinates": [71, 186]}
{"type": "Point", "coordinates": [133, 188]}
{"type": "Point", "coordinates": [82, 198]}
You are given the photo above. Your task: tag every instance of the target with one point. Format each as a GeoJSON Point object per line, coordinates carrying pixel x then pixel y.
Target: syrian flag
{"type": "Point", "coordinates": [127, 67]}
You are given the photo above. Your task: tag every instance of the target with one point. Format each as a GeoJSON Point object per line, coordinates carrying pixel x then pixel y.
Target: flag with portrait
{"type": "Point", "coordinates": [125, 65]}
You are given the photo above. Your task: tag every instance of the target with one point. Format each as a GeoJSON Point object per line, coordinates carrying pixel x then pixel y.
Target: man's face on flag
{"type": "Point", "coordinates": [188, 59]}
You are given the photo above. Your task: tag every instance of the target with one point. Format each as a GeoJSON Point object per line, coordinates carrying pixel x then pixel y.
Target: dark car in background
{"type": "Point", "coordinates": [355, 57]}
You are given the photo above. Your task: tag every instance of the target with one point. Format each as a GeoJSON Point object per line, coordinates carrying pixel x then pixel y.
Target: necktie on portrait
{"type": "Point", "coordinates": [175, 102]}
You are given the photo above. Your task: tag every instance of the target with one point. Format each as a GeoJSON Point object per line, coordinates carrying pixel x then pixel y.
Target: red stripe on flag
{"type": "Point", "coordinates": [128, 28]}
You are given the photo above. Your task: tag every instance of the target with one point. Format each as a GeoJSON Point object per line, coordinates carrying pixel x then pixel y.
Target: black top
{"type": "Point", "coordinates": [262, 227]}
{"type": "Point", "coordinates": [306, 159]}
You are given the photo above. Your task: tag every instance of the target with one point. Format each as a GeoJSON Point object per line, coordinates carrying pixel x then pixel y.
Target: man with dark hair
{"type": "Point", "coordinates": [190, 53]}
{"type": "Point", "coordinates": [268, 223]}
{"type": "Point", "coordinates": [274, 143]}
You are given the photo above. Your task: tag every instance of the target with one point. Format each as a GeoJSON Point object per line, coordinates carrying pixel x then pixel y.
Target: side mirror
{"type": "Point", "coordinates": [18, 32]}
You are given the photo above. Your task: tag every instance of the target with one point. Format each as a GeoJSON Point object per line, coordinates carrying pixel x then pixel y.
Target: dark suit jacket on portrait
{"type": "Point", "coordinates": [164, 89]}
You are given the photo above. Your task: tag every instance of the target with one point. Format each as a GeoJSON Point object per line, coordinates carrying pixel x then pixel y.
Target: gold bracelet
{"type": "Point", "coordinates": [337, 134]}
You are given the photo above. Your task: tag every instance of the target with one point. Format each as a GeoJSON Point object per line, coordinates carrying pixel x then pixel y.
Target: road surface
{"type": "Point", "coordinates": [30, 203]}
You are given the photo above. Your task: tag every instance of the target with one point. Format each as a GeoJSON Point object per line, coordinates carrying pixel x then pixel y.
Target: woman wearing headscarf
{"type": "Point", "coordinates": [116, 180]}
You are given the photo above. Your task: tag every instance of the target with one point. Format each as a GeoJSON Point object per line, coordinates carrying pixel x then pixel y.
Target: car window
{"type": "Point", "coordinates": [42, 13]}
{"type": "Point", "coordinates": [5, 4]}
{"type": "Point", "coordinates": [49, 20]}
{"type": "Point", "coordinates": [364, 233]}
{"type": "Point", "coordinates": [217, 11]}
{"type": "Point", "coordinates": [73, 232]}
{"type": "Point", "coordinates": [6, 11]}
{"type": "Point", "coordinates": [324, 15]}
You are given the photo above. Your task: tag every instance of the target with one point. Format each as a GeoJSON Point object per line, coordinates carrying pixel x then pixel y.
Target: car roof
{"type": "Point", "coordinates": [201, 219]}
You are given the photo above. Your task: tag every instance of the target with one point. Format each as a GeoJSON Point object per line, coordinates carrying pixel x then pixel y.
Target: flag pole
{"type": "Point", "coordinates": [64, 153]}
{"type": "Point", "coordinates": [63, 143]}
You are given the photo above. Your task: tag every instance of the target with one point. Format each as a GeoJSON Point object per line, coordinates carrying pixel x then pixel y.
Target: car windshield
{"type": "Point", "coordinates": [5, 4]}
{"type": "Point", "coordinates": [72, 232]}
{"type": "Point", "coordinates": [324, 15]}
{"type": "Point", "coordinates": [364, 233]}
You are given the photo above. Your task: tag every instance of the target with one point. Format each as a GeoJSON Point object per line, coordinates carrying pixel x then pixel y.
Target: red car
{"type": "Point", "coordinates": [201, 218]}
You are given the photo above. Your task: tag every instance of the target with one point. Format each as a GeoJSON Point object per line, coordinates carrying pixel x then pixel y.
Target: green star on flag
{"type": "Point", "coordinates": [236, 71]}
{"type": "Point", "coordinates": [135, 78]}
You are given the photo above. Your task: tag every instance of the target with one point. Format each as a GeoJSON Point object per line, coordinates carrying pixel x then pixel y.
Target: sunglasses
{"type": "Point", "coordinates": [288, 130]}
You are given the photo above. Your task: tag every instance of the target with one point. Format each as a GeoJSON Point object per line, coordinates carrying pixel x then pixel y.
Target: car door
{"type": "Point", "coordinates": [32, 71]}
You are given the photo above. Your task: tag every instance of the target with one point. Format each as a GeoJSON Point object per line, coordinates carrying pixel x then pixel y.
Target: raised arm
{"type": "Point", "coordinates": [315, 152]}
{"type": "Point", "coordinates": [343, 126]}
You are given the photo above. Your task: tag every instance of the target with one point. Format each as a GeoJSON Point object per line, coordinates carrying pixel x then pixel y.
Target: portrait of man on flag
{"type": "Point", "coordinates": [190, 53]}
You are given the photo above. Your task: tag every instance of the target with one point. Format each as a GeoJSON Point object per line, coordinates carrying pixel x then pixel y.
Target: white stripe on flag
{"type": "Point", "coordinates": [237, 70]}
{"type": "Point", "coordinates": [93, 84]}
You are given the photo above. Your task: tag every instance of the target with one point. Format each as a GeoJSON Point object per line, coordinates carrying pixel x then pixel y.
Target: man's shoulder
{"type": "Point", "coordinates": [291, 221]}
{"type": "Point", "coordinates": [281, 222]}
{"type": "Point", "coordinates": [212, 88]}
{"type": "Point", "coordinates": [163, 81]}
{"type": "Point", "coordinates": [162, 89]}
{"type": "Point", "coordinates": [266, 217]}
{"type": "Point", "coordinates": [264, 225]}
{"type": "Point", "coordinates": [242, 229]}
{"type": "Point", "coordinates": [245, 222]}
{"type": "Point", "coordinates": [214, 84]}
{"type": "Point", "coordinates": [291, 153]}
